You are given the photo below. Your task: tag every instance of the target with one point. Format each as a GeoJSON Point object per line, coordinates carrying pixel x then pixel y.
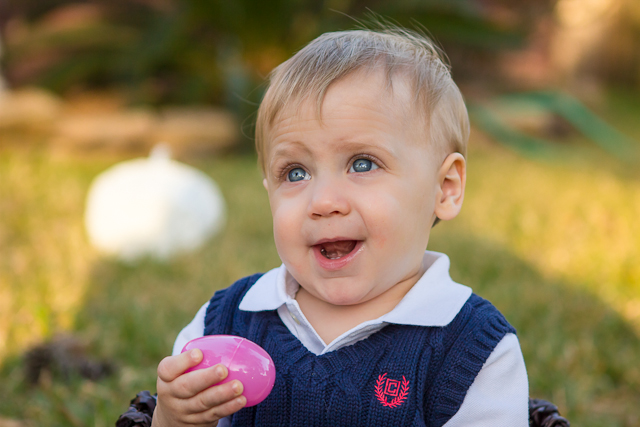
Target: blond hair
{"type": "Point", "coordinates": [309, 73]}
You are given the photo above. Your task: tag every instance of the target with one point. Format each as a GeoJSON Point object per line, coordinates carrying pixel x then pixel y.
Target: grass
{"type": "Point", "coordinates": [554, 245]}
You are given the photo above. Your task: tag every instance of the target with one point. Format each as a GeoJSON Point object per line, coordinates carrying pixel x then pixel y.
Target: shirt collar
{"type": "Point", "coordinates": [433, 301]}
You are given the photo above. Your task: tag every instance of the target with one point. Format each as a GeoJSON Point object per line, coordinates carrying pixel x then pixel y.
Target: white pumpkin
{"type": "Point", "coordinates": [154, 207]}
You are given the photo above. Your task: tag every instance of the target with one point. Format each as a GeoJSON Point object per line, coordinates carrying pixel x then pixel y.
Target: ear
{"type": "Point", "coordinates": [452, 178]}
{"type": "Point", "coordinates": [265, 184]}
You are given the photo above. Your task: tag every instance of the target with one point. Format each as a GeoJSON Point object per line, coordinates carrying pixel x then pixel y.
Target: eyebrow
{"type": "Point", "coordinates": [345, 145]}
{"type": "Point", "coordinates": [349, 145]}
{"type": "Point", "coordinates": [285, 149]}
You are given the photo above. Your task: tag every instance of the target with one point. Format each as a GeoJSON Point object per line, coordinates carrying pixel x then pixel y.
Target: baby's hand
{"type": "Point", "coordinates": [188, 399]}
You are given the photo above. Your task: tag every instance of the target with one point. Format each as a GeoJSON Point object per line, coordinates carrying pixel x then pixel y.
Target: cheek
{"type": "Point", "coordinates": [398, 218]}
{"type": "Point", "coordinates": [287, 244]}
{"type": "Point", "coordinates": [286, 223]}
{"type": "Point", "coordinates": [381, 218]}
{"type": "Point", "coordinates": [281, 233]}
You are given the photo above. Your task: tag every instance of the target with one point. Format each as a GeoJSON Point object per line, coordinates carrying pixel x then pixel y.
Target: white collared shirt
{"type": "Point", "coordinates": [499, 394]}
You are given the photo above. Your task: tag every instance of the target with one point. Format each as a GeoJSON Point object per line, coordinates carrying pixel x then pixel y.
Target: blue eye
{"type": "Point", "coordinates": [363, 165]}
{"type": "Point", "coordinates": [297, 174]}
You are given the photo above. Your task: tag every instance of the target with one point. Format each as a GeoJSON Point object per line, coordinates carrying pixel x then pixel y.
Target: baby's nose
{"type": "Point", "coordinates": [329, 197]}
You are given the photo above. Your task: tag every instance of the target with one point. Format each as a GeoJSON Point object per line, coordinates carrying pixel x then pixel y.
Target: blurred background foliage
{"type": "Point", "coordinates": [549, 231]}
{"type": "Point", "coordinates": [156, 52]}
{"type": "Point", "coordinates": [209, 51]}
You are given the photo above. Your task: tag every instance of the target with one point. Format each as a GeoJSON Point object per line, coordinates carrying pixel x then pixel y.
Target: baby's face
{"type": "Point", "coordinates": [353, 196]}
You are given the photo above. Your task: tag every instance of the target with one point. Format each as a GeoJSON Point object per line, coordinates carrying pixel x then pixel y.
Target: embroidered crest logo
{"type": "Point", "coordinates": [387, 388]}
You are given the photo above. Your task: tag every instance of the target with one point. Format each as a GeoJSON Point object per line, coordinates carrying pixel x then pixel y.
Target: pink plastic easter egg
{"type": "Point", "coordinates": [245, 360]}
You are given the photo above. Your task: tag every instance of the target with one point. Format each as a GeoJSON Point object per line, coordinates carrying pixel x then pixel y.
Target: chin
{"type": "Point", "coordinates": [343, 298]}
{"type": "Point", "coordinates": [342, 302]}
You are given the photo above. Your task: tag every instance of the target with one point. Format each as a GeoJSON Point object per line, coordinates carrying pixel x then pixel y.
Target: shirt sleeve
{"type": "Point", "coordinates": [193, 330]}
{"type": "Point", "coordinates": [499, 396]}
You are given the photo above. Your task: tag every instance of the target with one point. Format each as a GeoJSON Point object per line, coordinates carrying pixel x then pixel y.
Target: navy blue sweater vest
{"type": "Point", "coordinates": [399, 376]}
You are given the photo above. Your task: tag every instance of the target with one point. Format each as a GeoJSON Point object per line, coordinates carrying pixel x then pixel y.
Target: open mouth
{"type": "Point", "coordinates": [338, 249]}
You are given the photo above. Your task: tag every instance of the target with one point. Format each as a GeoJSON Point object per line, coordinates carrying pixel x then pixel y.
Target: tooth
{"type": "Point", "coordinates": [323, 251]}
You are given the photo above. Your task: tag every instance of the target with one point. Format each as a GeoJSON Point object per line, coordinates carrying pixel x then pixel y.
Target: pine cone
{"type": "Point", "coordinates": [140, 412]}
{"type": "Point", "coordinates": [545, 414]}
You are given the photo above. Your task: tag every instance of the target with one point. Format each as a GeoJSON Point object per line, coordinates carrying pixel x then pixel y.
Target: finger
{"type": "Point", "coordinates": [218, 412]}
{"type": "Point", "coordinates": [215, 396]}
{"type": "Point", "coordinates": [192, 383]}
{"type": "Point", "coordinates": [172, 367]}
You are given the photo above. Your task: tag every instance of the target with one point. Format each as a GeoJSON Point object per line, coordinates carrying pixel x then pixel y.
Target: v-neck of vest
{"type": "Point", "coordinates": [333, 361]}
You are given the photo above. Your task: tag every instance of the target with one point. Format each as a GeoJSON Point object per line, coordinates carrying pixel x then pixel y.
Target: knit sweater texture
{"type": "Point", "coordinates": [400, 376]}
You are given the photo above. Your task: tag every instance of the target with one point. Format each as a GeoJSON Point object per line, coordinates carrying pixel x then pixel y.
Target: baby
{"type": "Point", "coordinates": [362, 139]}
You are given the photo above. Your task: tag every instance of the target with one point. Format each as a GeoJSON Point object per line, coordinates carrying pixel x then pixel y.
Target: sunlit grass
{"type": "Point", "coordinates": [574, 220]}
{"type": "Point", "coordinates": [52, 281]}
{"type": "Point", "coordinates": [554, 245]}
{"type": "Point", "coordinates": [45, 257]}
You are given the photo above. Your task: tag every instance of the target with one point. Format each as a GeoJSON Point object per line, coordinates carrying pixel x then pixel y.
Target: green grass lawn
{"type": "Point", "coordinates": [555, 245]}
